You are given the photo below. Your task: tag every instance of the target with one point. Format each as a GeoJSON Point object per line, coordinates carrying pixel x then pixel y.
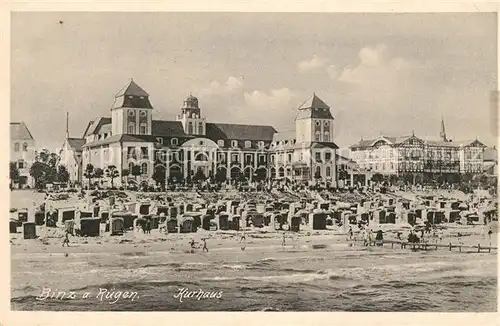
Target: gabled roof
{"type": "Point", "coordinates": [76, 143]}
{"type": "Point", "coordinates": [20, 131]}
{"type": "Point", "coordinates": [316, 145]}
{"type": "Point", "coordinates": [132, 89]}
{"type": "Point", "coordinates": [239, 131]}
{"type": "Point", "coordinates": [95, 127]}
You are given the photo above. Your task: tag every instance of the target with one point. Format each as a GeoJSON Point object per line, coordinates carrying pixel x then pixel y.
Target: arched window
{"type": "Point", "coordinates": [328, 171]}
{"type": "Point", "coordinates": [16, 147]}
{"type": "Point", "coordinates": [174, 141]}
{"type": "Point", "coordinates": [144, 168]}
{"type": "Point", "coordinates": [234, 143]}
{"type": "Point", "coordinates": [190, 128]}
{"type": "Point", "coordinates": [25, 147]}
{"type": "Point", "coordinates": [131, 128]}
{"type": "Point", "coordinates": [326, 136]}
{"type": "Point", "coordinates": [200, 128]}
{"type": "Point", "coordinates": [248, 144]}
{"type": "Point", "coordinates": [317, 136]}
{"type": "Point", "coordinates": [130, 166]}
{"type": "Point", "coordinates": [143, 129]}
{"type": "Point", "coordinates": [220, 142]}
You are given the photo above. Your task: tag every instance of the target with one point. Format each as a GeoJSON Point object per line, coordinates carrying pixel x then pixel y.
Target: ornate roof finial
{"type": "Point", "coordinates": [413, 132]}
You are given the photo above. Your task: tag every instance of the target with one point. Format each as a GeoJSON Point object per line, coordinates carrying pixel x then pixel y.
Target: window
{"type": "Point", "coordinates": [262, 159]}
{"type": "Point", "coordinates": [272, 159]}
{"type": "Point", "coordinates": [326, 123]}
{"type": "Point", "coordinates": [318, 123]}
{"type": "Point", "coordinates": [143, 129]}
{"type": "Point", "coordinates": [248, 144]}
{"type": "Point", "coordinates": [131, 128]}
{"type": "Point", "coordinates": [159, 140]}
{"type": "Point", "coordinates": [200, 128]}
{"type": "Point", "coordinates": [25, 147]}
{"type": "Point", "coordinates": [144, 168]}
{"type": "Point", "coordinates": [234, 143]}
{"type": "Point", "coordinates": [318, 157]}
{"type": "Point", "coordinates": [16, 147]}
{"type": "Point", "coordinates": [174, 141]}
{"type": "Point", "coordinates": [326, 136]}
{"type": "Point", "coordinates": [20, 164]}
{"type": "Point", "coordinates": [130, 166]}
{"type": "Point", "coordinates": [260, 144]}
{"type": "Point", "coordinates": [235, 157]}
{"type": "Point", "coordinates": [289, 157]}
{"type": "Point", "coordinates": [328, 171]}
{"type": "Point", "coordinates": [144, 152]}
{"type": "Point", "coordinates": [144, 114]}
{"type": "Point", "coordinates": [131, 113]}
{"type": "Point", "coordinates": [221, 157]}
{"type": "Point", "coordinates": [328, 156]}
{"type": "Point", "coordinates": [301, 156]}
{"type": "Point", "coordinates": [220, 142]}
{"type": "Point", "coordinates": [317, 136]}
{"type": "Point", "coordinates": [190, 128]}
{"type": "Point", "coordinates": [249, 158]}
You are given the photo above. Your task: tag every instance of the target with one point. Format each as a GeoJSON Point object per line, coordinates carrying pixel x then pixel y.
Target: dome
{"type": "Point", "coordinates": [191, 102]}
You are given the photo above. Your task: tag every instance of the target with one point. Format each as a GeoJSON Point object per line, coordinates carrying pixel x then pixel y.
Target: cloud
{"type": "Point", "coordinates": [332, 72]}
{"type": "Point", "coordinates": [314, 63]}
{"type": "Point", "coordinates": [275, 106]}
{"type": "Point", "coordinates": [217, 89]}
{"type": "Point", "coordinates": [377, 71]}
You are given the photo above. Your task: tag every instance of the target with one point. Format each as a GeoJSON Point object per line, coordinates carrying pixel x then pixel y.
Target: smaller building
{"type": "Point", "coordinates": [22, 152]}
{"type": "Point", "coordinates": [490, 161]}
{"type": "Point", "coordinates": [71, 157]}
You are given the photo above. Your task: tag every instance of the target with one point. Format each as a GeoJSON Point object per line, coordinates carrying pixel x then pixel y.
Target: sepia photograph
{"type": "Point", "coordinates": [251, 161]}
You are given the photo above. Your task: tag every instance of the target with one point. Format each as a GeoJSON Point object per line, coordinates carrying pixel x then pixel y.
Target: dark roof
{"type": "Point", "coordinates": [284, 135]}
{"type": "Point", "coordinates": [239, 131]}
{"type": "Point", "coordinates": [76, 143]}
{"type": "Point", "coordinates": [316, 145]}
{"type": "Point", "coordinates": [19, 131]}
{"type": "Point", "coordinates": [490, 154]}
{"type": "Point", "coordinates": [168, 128]}
{"type": "Point", "coordinates": [132, 89]}
{"type": "Point", "coordinates": [315, 108]}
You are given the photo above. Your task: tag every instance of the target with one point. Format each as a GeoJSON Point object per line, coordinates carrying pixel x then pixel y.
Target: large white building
{"type": "Point", "coordinates": [22, 152]}
{"type": "Point", "coordinates": [133, 141]}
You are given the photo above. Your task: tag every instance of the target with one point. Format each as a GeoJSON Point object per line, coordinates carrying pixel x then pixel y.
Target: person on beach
{"type": "Point", "coordinates": [192, 244]}
{"type": "Point", "coordinates": [66, 239]}
{"type": "Point", "coordinates": [205, 248]}
{"type": "Point", "coordinates": [399, 234]}
{"type": "Point", "coordinates": [490, 232]}
{"type": "Point", "coordinates": [350, 233]}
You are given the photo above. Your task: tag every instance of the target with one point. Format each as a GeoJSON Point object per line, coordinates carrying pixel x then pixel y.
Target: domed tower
{"type": "Point", "coordinates": [192, 121]}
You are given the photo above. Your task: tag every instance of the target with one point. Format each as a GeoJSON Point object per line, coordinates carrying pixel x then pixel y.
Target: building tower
{"type": "Point", "coordinates": [131, 112]}
{"type": "Point", "coordinates": [442, 134]}
{"type": "Point", "coordinates": [190, 117]}
{"type": "Point", "coordinates": [314, 122]}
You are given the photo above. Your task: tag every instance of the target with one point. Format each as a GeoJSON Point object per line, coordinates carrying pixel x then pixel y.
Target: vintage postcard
{"type": "Point", "coordinates": [253, 161]}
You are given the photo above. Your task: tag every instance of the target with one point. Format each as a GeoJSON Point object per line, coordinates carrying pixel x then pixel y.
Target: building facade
{"type": "Point", "coordinates": [145, 150]}
{"type": "Point", "coordinates": [22, 152]}
{"type": "Point", "coordinates": [421, 160]}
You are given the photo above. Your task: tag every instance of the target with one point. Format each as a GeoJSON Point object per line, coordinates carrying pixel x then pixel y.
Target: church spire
{"type": "Point", "coordinates": [442, 134]}
{"type": "Point", "coordinates": [67, 125]}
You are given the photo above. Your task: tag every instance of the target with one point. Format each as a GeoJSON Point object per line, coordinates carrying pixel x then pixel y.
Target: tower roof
{"type": "Point", "coordinates": [132, 89]}
{"type": "Point", "coordinates": [314, 102]}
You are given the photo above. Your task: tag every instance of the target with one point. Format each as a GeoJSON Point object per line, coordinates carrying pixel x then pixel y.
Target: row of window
{"type": "Point", "coordinates": [143, 128]}
{"type": "Point", "coordinates": [18, 145]}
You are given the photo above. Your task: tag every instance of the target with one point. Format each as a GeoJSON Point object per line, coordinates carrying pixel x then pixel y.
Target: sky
{"type": "Point", "coordinates": [382, 74]}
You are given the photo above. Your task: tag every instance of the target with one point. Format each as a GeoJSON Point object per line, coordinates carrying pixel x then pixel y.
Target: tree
{"type": "Point", "coordinates": [343, 174]}
{"type": "Point", "coordinates": [38, 171]}
{"type": "Point", "coordinates": [377, 177]}
{"type": "Point", "coordinates": [112, 173]}
{"type": "Point", "coordinates": [89, 173]}
{"type": "Point", "coordinates": [62, 174]}
{"type": "Point", "coordinates": [136, 171]}
{"type": "Point", "coordinates": [14, 173]}
{"type": "Point", "coordinates": [159, 175]}
{"type": "Point", "coordinates": [98, 173]}
{"type": "Point", "coordinates": [199, 175]}
{"type": "Point", "coordinates": [125, 174]}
